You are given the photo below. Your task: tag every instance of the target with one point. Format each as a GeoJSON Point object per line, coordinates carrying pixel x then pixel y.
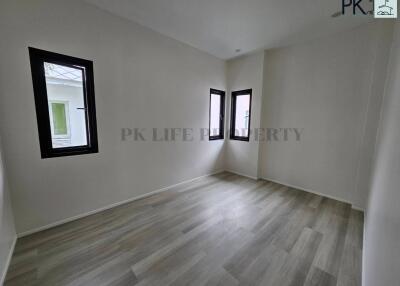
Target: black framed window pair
{"type": "Point", "coordinates": [240, 114]}
{"type": "Point", "coordinates": [65, 105]}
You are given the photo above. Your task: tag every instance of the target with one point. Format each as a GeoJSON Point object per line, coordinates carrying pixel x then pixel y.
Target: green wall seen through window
{"type": "Point", "coordinates": [59, 119]}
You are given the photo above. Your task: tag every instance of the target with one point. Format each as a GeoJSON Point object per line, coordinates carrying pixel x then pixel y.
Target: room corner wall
{"type": "Point", "coordinates": [243, 73]}
{"type": "Point", "coordinates": [331, 89]}
{"type": "Point", "coordinates": [381, 258]}
{"type": "Point", "coordinates": [7, 230]}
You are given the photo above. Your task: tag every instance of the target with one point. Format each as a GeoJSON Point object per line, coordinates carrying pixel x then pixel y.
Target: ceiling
{"type": "Point", "coordinates": [229, 28]}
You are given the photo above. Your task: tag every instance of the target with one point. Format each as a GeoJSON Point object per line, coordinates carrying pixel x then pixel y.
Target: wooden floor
{"type": "Point", "coordinates": [220, 230]}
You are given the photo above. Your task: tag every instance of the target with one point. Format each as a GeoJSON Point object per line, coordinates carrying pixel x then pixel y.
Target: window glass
{"type": "Point", "coordinates": [65, 88]}
{"type": "Point", "coordinates": [215, 114]}
{"type": "Point", "coordinates": [217, 111]}
{"type": "Point", "coordinates": [242, 115]}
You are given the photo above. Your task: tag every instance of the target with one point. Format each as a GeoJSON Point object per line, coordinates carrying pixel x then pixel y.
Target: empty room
{"type": "Point", "coordinates": [196, 142]}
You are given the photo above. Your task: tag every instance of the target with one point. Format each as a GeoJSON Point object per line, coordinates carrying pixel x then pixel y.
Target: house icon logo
{"type": "Point", "coordinates": [385, 9]}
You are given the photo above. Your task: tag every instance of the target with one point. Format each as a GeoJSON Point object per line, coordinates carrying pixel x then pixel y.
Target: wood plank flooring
{"type": "Point", "coordinates": [220, 230]}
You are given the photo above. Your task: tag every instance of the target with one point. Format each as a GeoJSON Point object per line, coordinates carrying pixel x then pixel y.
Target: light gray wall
{"type": "Point", "coordinates": [331, 88]}
{"type": "Point", "coordinates": [367, 149]}
{"type": "Point", "coordinates": [142, 79]}
{"type": "Point", "coordinates": [7, 229]}
{"type": "Point", "coordinates": [381, 258]}
{"type": "Point", "coordinates": [244, 73]}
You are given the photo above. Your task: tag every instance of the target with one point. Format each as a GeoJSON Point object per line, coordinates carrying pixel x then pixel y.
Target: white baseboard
{"type": "Point", "coordinates": [241, 174]}
{"type": "Point", "coordinates": [60, 222]}
{"type": "Point", "coordinates": [7, 265]}
{"type": "Point", "coordinates": [299, 188]}
{"type": "Point", "coordinates": [316, 193]}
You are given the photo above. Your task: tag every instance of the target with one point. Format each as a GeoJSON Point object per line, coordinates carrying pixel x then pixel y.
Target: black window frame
{"type": "Point", "coordinates": [220, 136]}
{"type": "Point", "coordinates": [37, 59]}
{"type": "Point", "coordinates": [234, 96]}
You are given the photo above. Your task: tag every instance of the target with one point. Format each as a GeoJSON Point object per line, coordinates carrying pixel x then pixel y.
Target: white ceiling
{"type": "Point", "coordinates": [220, 27]}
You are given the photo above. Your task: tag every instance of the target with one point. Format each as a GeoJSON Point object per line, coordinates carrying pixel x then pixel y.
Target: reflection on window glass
{"type": "Point", "coordinates": [242, 115]}
{"type": "Point", "coordinates": [65, 95]}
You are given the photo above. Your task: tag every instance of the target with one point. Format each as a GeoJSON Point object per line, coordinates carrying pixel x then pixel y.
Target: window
{"type": "Point", "coordinates": [217, 112]}
{"type": "Point", "coordinates": [241, 115]}
{"type": "Point", "coordinates": [65, 107]}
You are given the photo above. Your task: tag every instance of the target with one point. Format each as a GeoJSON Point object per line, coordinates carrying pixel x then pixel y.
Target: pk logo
{"type": "Point", "coordinates": [356, 6]}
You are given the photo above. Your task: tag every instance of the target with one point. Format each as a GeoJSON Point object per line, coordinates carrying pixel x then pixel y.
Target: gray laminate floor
{"type": "Point", "coordinates": [220, 230]}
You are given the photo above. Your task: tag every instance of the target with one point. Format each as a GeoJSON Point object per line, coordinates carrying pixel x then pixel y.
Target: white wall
{"type": "Point", "coordinates": [142, 79]}
{"type": "Point", "coordinates": [7, 230]}
{"type": "Point", "coordinates": [244, 73]}
{"type": "Point", "coordinates": [330, 87]}
{"type": "Point", "coordinates": [377, 86]}
{"type": "Point", "coordinates": [381, 258]}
